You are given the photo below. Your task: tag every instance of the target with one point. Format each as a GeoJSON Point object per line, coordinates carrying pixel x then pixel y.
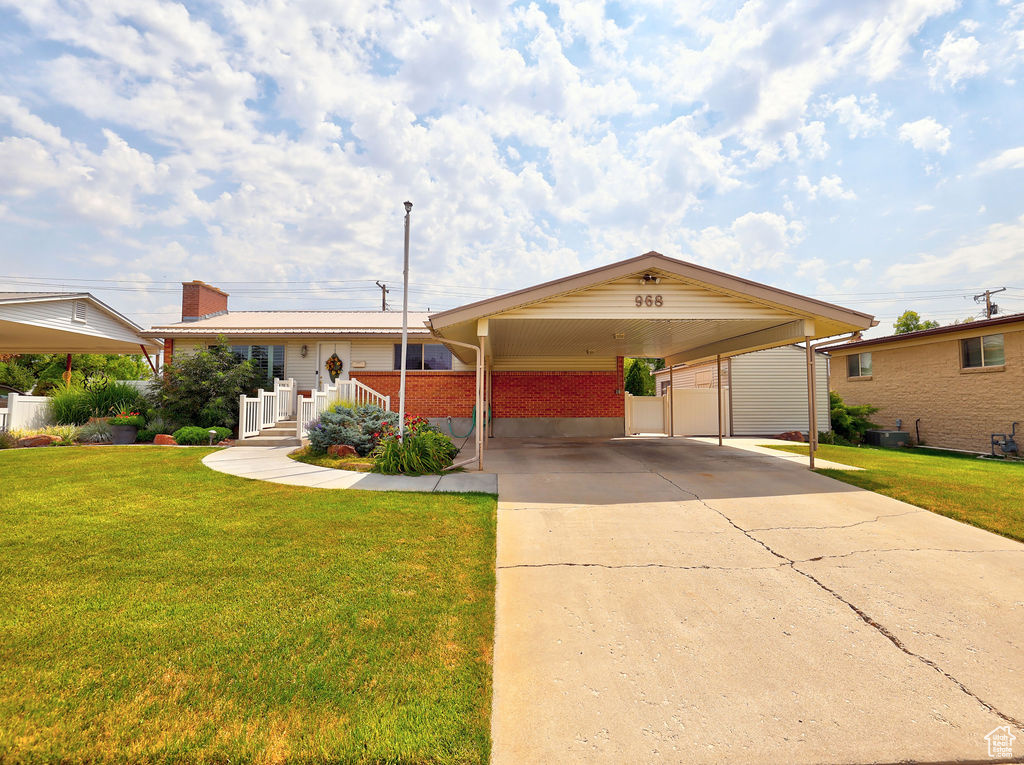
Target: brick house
{"type": "Point", "coordinates": [550, 356]}
{"type": "Point", "coordinates": [953, 385]}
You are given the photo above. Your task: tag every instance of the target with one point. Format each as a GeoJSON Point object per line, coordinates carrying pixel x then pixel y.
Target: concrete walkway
{"type": "Point", "coordinates": [667, 600]}
{"type": "Point", "coordinates": [273, 464]}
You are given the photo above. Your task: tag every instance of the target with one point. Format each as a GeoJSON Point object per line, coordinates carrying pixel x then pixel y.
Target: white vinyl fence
{"type": "Point", "coordinates": [267, 408]}
{"type": "Point", "coordinates": [25, 412]}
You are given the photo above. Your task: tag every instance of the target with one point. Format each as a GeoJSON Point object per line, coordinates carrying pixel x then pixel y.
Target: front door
{"type": "Point", "coordinates": [324, 351]}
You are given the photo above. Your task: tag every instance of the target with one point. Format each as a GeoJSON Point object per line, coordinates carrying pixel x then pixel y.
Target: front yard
{"type": "Point", "coordinates": [985, 493]}
{"type": "Point", "coordinates": [154, 610]}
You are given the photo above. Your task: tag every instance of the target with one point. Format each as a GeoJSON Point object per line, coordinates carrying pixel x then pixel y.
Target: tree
{"type": "Point", "coordinates": [910, 321]}
{"type": "Point", "coordinates": [203, 389]}
{"type": "Point", "coordinates": [639, 380]}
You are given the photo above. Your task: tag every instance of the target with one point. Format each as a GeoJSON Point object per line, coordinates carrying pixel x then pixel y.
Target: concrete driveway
{"type": "Point", "coordinates": [671, 601]}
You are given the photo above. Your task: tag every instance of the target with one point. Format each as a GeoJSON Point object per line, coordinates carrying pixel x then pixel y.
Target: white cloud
{"type": "Point", "coordinates": [989, 257]}
{"type": "Point", "coordinates": [861, 116]}
{"type": "Point", "coordinates": [926, 135]}
{"type": "Point", "coordinates": [1009, 159]}
{"type": "Point", "coordinates": [830, 187]}
{"type": "Point", "coordinates": [924, 208]}
{"type": "Point", "coordinates": [956, 59]}
{"type": "Point", "coordinates": [753, 242]}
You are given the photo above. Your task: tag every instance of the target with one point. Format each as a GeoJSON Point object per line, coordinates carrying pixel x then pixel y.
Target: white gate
{"type": "Point", "coordinates": [645, 414]}
{"type": "Point", "coordinates": [695, 412]}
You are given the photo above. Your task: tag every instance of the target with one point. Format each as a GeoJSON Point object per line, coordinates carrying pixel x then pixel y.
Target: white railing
{"type": "Point", "coordinates": [3, 419]}
{"type": "Point", "coordinates": [285, 390]}
{"type": "Point", "coordinates": [351, 391]}
{"type": "Point", "coordinates": [250, 416]}
{"type": "Point", "coordinates": [268, 408]}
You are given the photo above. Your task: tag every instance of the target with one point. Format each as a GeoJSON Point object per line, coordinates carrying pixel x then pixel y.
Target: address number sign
{"type": "Point", "coordinates": [651, 301]}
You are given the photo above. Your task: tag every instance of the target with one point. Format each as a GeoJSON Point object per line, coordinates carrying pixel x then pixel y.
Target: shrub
{"type": "Point", "coordinates": [96, 432]}
{"type": "Point", "coordinates": [71, 405]}
{"type": "Point", "coordinates": [193, 435]}
{"type": "Point", "coordinates": [7, 440]}
{"type": "Point", "coordinates": [205, 387]}
{"type": "Point", "coordinates": [416, 454]}
{"type": "Point", "coordinates": [145, 436]}
{"type": "Point", "coordinates": [850, 422]}
{"type": "Point", "coordinates": [358, 426]}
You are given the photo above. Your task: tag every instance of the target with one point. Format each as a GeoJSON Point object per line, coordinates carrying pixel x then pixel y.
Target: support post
{"type": "Point", "coordinates": [241, 417]}
{"type": "Point", "coordinates": [671, 401]}
{"type": "Point", "coordinates": [405, 326]}
{"type": "Point", "coordinates": [67, 370]}
{"type": "Point", "coordinates": [718, 379]}
{"type": "Point", "coordinates": [812, 425]}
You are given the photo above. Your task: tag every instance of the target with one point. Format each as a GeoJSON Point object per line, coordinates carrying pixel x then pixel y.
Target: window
{"type": "Point", "coordinates": [665, 385]}
{"type": "Point", "coordinates": [984, 351]}
{"type": "Point", "coordinates": [858, 365]}
{"type": "Point", "coordinates": [423, 356]}
{"type": "Point", "coordinates": [268, 359]}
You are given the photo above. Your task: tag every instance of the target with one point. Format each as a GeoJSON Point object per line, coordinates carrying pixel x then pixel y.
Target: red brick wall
{"type": "Point", "coordinates": [427, 394]}
{"type": "Point", "coordinates": [558, 394]}
{"type": "Point", "coordinates": [516, 394]}
{"type": "Point", "coordinates": [199, 299]}
{"type": "Point", "coordinates": [168, 350]}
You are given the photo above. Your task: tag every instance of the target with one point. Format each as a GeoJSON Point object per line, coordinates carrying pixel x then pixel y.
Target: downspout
{"type": "Point", "coordinates": [479, 428]}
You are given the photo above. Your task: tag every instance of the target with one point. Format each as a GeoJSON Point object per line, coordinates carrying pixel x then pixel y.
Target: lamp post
{"type": "Point", "coordinates": [405, 326]}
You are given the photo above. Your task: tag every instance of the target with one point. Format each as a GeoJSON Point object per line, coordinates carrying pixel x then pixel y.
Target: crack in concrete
{"type": "Point", "coordinates": [901, 549]}
{"type": "Point", "coordinates": [881, 629]}
{"type": "Point", "coordinates": [847, 526]}
{"type": "Point", "coordinates": [702, 567]}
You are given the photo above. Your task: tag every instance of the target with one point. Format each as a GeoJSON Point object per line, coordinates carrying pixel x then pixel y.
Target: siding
{"type": "Point", "coordinates": [769, 392]}
{"type": "Point", "coordinates": [56, 314]}
{"type": "Point", "coordinates": [376, 355]}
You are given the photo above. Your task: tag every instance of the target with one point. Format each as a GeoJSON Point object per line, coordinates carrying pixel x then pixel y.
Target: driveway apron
{"type": "Point", "coordinates": [671, 601]}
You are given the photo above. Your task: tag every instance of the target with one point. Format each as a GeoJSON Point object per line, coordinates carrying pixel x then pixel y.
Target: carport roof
{"type": "Point", "coordinates": [702, 313]}
{"type": "Point", "coordinates": [41, 322]}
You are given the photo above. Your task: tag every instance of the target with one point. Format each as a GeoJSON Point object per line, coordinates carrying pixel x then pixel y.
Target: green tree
{"type": "Point", "coordinates": [639, 380]}
{"type": "Point", "coordinates": [910, 321]}
{"type": "Point", "coordinates": [203, 389]}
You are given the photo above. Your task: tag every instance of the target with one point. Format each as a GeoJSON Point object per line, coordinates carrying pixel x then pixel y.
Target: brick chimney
{"type": "Point", "coordinates": [199, 300]}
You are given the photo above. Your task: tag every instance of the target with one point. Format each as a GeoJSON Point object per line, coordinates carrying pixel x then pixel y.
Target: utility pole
{"type": "Point", "coordinates": [990, 307]}
{"type": "Point", "coordinates": [405, 327]}
{"type": "Point", "coordinates": [383, 296]}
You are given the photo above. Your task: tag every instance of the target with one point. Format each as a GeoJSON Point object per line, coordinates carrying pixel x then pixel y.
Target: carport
{"type": "Point", "coordinates": [549, 357]}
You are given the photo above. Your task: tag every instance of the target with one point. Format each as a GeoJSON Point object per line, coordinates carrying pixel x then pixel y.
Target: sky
{"type": "Point", "coordinates": [867, 153]}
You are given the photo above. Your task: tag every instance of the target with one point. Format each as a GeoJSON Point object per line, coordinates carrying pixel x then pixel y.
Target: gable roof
{"type": "Point", "coordinates": [717, 280]}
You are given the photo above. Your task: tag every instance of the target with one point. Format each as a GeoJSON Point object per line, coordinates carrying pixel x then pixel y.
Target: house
{"type": "Point", "coordinates": [764, 392]}
{"type": "Point", "coordinates": [543, 361]}
{"type": "Point", "coordinates": [951, 387]}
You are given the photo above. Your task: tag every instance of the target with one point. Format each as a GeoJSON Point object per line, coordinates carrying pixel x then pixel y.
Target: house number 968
{"type": "Point", "coordinates": [649, 301]}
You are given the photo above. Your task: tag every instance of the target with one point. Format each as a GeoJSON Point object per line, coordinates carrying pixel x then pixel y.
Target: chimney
{"type": "Point", "coordinates": [199, 300]}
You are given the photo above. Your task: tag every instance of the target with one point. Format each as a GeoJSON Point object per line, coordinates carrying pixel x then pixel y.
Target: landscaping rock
{"type": "Point", "coordinates": [161, 439]}
{"type": "Point", "coordinates": [791, 435]}
{"type": "Point", "coordinates": [40, 440]}
{"type": "Point", "coordinates": [341, 450]}
{"type": "Point", "coordinates": [226, 442]}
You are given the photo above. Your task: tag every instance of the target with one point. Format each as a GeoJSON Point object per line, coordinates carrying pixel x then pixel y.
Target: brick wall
{"type": "Point", "coordinates": [558, 394]}
{"type": "Point", "coordinates": [427, 394]}
{"type": "Point", "coordinates": [168, 350]}
{"type": "Point", "coordinates": [958, 409]}
{"type": "Point", "coordinates": [199, 299]}
{"type": "Point", "coordinates": [516, 394]}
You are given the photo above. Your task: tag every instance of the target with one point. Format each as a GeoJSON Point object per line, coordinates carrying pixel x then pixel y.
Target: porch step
{"type": "Point", "coordinates": [268, 440]}
{"type": "Point", "coordinates": [279, 430]}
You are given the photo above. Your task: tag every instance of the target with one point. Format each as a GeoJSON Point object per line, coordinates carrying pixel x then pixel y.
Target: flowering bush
{"type": "Point", "coordinates": [361, 427]}
{"type": "Point", "coordinates": [423, 449]}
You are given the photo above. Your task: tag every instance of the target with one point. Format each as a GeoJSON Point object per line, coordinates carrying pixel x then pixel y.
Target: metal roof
{"type": "Point", "coordinates": [296, 323]}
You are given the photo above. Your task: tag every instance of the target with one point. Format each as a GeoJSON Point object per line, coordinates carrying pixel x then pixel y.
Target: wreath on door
{"type": "Point", "coordinates": [334, 366]}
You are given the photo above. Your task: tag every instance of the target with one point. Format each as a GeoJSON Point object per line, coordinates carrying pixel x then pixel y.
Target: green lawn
{"type": "Point", "coordinates": [156, 611]}
{"type": "Point", "coordinates": [985, 493]}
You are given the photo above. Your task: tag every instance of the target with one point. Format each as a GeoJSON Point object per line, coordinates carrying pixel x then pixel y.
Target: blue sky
{"type": "Point", "coordinates": [867, 153]}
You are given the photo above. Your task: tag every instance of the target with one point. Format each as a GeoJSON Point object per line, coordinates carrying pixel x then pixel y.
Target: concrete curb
{"type": "Point", "coordinates": [272, 464]}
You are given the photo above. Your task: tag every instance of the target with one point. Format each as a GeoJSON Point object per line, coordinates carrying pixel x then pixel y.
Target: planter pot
{"type": "Point", "coordinates": [124, 434]}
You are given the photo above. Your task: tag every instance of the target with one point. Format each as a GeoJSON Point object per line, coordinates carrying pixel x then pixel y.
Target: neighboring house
{"type": "Point", "coordinates": [551, 361]}
{"type": "Point", "coordinates": [765, 392]}
{"type": "Point", "coordinates": [954, 385]}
